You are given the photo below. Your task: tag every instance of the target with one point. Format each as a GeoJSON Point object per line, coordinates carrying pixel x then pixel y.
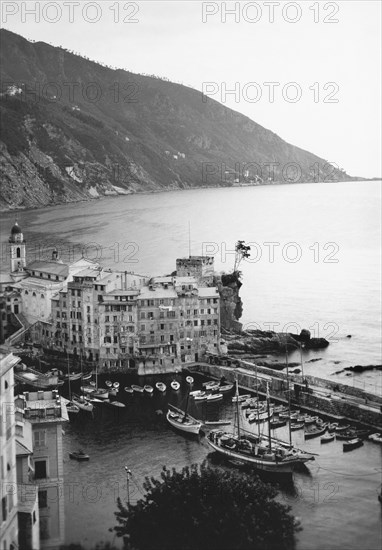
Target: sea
{"type": "Point", "coordinates": [315, 263]}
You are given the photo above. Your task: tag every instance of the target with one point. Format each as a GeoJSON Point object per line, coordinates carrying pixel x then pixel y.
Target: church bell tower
{"type": "Point", "coordinates": [17, 249]}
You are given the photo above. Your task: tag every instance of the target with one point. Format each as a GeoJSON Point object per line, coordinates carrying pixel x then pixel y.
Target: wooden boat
{"type": "Point", "coordinates": [78, 455]}
{"type": "Point", "coordinates": [118, 404]}
{"type": "Point", "coordinates": [261, 453]}
{"type": "Point", "coordinates": [214, 397]}
{"type": "Point", "coordinates": [209, 383]}
{"type": "Point", "coordinates": [240, 398]}
{"type": "Point", "coordinates": [87, 389]}
{"type": "Point", "coordinates": [182, 422]}
{"type": "Point", "coordinates": [326, 438]}
{"type": "Point", "coordinates": [226, 388]}
{"type": "Point", "coordinates": [217, 422]}
{"type": "Point", "coordinates": [72, 408]}
{"type": "Point", "coordinates": [148, 389]}
{"type": "Point", "coordinates": [332, 426]}
{"type": "Point", "coordinates": [294, 426]}
{"type": "Point", "coordinates": [87, 376]}
{"type": "Point", "coordinates": [377, 438]}
{"type": "Point", "coordinates": [100, 393]}
{"type": "Point", "coordinates": [175, 385]}
{"type": "Point", "coordinates": [189, 380]}
{"type": "Point", "coordinates": [248, 403]}
{"type": "Point", "coordinates": [346, 436]}
{"type": "Point", "coordinates": [116, 385]}
{"type": "Point", "coordinates": [342, 428]}
{"type": "Point", "coordinates": [73, 376]}
{"type": "Point", "coordinates": [109, 383]}
{"type": "Point", "coordinates": [137, 388]}
{"type": "Point", "coordinates": [129, 389]}
{"type": "Point", "coordinates": [352, 444]}
{"type": "Point", "coordinates": [315, 431]}
{"type": "Point", "coordinates": [310, 420]}
{"type": "Point", "coordinates": [161, 386]}
{"type": "Point", "coordinates": [82, 403]}
{"type": "Point", "coordinates": [200, 396]}
{"type": "Point", "coordinates": [260, 415]}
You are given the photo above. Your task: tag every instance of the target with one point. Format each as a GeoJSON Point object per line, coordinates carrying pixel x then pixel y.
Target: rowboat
{"type": "Point", "coordinates": [296, 426]}
{"type": "Point", "coordinates": [189, 380]}
{"type": "Point", "coordinates": [118, 404]}
{"type": "Point", "coordinates": [87, 376]}
{"type": "Point", "coordinates": [72, 376]}
{"type": "Point", "coordinates": [240, 398]}
{"type": "Point", "coordinates": [217, 422]}
{"type": "Point", "coordinates": [226, 388]}
{"type": "Point", "coordinates": [78, 455]}
{"type": "Point", "coordinates": [109, 383]}
{"type": "Point", "coordinates": [200, 396]}
{"type": "Point", "coordinates": [161, 386]}
{"type": "Point", "coordinates": [72, 408]}
{"type": "Point", "coordinates": [248, 403]}
{"type": "Point", "coordinates": [315, 432]}
{"type": "Point", "coordinates": [326, 438]}
{"type": "Point", "coordinates": [129, 389]}
{"type": "Point", "coordinates": [82, 403]}
{"type": "Point", "coordinates": [148, 389]}
{"type": "Point", "coordinates": [214, 397]}
{"type": "Point", "coordinates": [175, 385]}
{"type": "Point", "coordinates": [101, 393]}
{"type": "Point", "coordinates": [209, 383]}
{"type": "Point", "coordinates": [352, 444]}
{"type": "Point", "coordinates": [342, 428]}
{"type": "Point", "coordinates": [346, 436]}
{"type": "Point", "coordinates": [137, 388]}
{"type": "Point", "coordinates": [183, 422]}
{"type": "Point", "coordinates": [377, 438]}
{"type": "Point", "coordinates": [87, 389]}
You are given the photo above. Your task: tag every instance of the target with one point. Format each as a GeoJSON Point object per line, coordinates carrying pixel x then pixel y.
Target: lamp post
{"type": "Point", "coordinates": [128, 475]}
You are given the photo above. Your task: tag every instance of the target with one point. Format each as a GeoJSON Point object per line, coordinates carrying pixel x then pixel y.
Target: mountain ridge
{"type": "Point", "coordinates": [74, 130]}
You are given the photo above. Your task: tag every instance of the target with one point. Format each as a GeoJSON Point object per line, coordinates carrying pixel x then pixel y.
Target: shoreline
{"type": "Point", "coordinates": [169, 190]}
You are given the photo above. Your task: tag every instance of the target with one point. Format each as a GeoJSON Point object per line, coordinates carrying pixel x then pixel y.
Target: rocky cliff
{"type": "Point", "coordinates": [75, 130]}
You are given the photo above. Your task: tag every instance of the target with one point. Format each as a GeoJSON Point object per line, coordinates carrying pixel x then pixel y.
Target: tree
{"type": "Point", "coordinates": [241, 252]}
{"type": "Point", "coordinates": [204, 508]}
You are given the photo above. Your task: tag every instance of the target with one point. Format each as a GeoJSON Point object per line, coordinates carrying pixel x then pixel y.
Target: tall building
{"type": "Point", "coordinates": [8, 477]}
{"type": "Point", "coordinates": [46, 412]}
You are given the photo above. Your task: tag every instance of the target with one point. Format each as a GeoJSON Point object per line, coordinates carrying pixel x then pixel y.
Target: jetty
{"type": "Point", "coordinates": [317, 395]}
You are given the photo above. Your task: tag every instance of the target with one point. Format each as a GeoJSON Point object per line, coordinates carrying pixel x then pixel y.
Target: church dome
{"type": "Point", "coordinates": [16, 229]}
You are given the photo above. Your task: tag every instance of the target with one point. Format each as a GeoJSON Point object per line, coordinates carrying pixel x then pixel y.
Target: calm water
{"type": "Point", "coordinates": [333, 288]}
{"type": "Point", "coordinates": [336, 497]}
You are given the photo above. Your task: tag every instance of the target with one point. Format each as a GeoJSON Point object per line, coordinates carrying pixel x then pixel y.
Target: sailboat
{"type": "Point", "coordinates": [183, 421]}
{"type": "Point", "coordinates": [262, 453]}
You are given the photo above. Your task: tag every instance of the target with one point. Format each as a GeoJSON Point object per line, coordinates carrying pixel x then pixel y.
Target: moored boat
{"type": "Point", "coordinates": [294, 426]}
{"type": "Point", "coordinates": [183, 422]}
{"type": "Point", "coordinates": [226, 388]}
{"type": "Point", "coordinates": [189, 380]}
{"type": "Point", "coordinates": [129, 389]}
{"type": "Point", "coordinates": [214, 397]}
{"type": "Point", "coordinates": [326, 438]}
{"type": "Point", "coordinates": [137, 388]}
{"type": "Point", "coordinates": [161, 386]}
{"type": "Point", "coordinates": [72, 407]}
{"type": "Point", "coordinates": [200, 396]}
{"type": "Point", "coordinates": [148, 389]}
{"type": "Point", "coordinates": [342, 428]}
{"type": "Point", "coordinates": [314, 431]}
{"type": "Point", "coordinates": [376, 437]}
{"type": "Point", "coordinates": [352, 444]}
{"type": "Point", "coordinates": [240, 398]}
{"type": "Point", "coordinates": [175, 385]}
{"type": "Point", "coordinates": [82, 403]}
{"type": "Point", "coordinates": [78, 455]}
{"type": "Point", "coordinates": [109, 383]}
{"type": "Point", "coordinates": [278, 424]}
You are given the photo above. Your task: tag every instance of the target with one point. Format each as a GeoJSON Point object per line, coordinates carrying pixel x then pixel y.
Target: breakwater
{"type": "Point", "coordinates": [314, 394]}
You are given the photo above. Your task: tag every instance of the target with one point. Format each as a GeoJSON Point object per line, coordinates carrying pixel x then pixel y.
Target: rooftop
{"type": "Point", "coordinates": [7, 361]}
{"type": "Point", "coordinates": [49, 267]}
{"type": "Point", "coordinates": [43, 406]}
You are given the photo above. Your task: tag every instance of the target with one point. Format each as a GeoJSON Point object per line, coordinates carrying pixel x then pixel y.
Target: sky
{"type": "Point", "coordinates": [309, 71]}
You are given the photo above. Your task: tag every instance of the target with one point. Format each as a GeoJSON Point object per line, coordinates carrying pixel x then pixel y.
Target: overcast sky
{"type": "Point", "coordinates": [331, 53]}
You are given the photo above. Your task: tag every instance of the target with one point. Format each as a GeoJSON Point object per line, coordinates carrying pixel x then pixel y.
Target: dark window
{"type": "Point", "coordinates": [43, 499]}
{"type": "Point", "coordinates": [18, 253]}
{"type": "Point", "coordinates": [40, 469]}
{"type": "Point", "coordinates": [4, 508]}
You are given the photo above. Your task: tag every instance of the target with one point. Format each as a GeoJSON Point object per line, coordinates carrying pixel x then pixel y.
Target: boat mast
{"type": "Point", "coordinates": [70, 393]}
{"type": "Point", "coordinates": [257, 403]}
{"type": "Point", "coordinates": [237, 409]}
{"type": "Point", "coordinates": [302, 363]}
{"type": "Point", "coordinates": [269, 420]}
{"type": "Point", "coordinates": [288, 390]}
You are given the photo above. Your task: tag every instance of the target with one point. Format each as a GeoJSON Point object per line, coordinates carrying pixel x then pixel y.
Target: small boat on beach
{"type": "Point", "coordinates": [137, 388]}
{"type": "Point", "coordinates": [161, 386]}
{"type": "Point", "coordinates": [79, 455]}
{"type": "Point", "coordinates": [175, 385]}
{"type": "Point", "coordinates": [352, 444]}
{"type": "Point", "coordinates": [148, 389]}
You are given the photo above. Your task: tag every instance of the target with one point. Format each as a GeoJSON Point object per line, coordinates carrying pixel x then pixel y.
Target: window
{"type": "Point", "coordinates": [171, 314]}
{"type": "Point", "coordinates": [40, 471]}
{"type": "Point", "coordinates": [195, 323]}
{"type": "Point", "coordinates": [39, 438]}
{"type": "Point", "coordinates": [4, 508]}
{"type": "Point", "coordinates": [143, 315]}
{"type": "Point", "coordinates": [43, 499]}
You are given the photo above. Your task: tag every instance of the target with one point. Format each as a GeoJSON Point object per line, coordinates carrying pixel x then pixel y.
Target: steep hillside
{"type": "Point", "coordinates": [74, 130]}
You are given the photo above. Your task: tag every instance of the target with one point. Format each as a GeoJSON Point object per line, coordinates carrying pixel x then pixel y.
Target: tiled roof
{"type": "Point", "coordinates": [54, 268]}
